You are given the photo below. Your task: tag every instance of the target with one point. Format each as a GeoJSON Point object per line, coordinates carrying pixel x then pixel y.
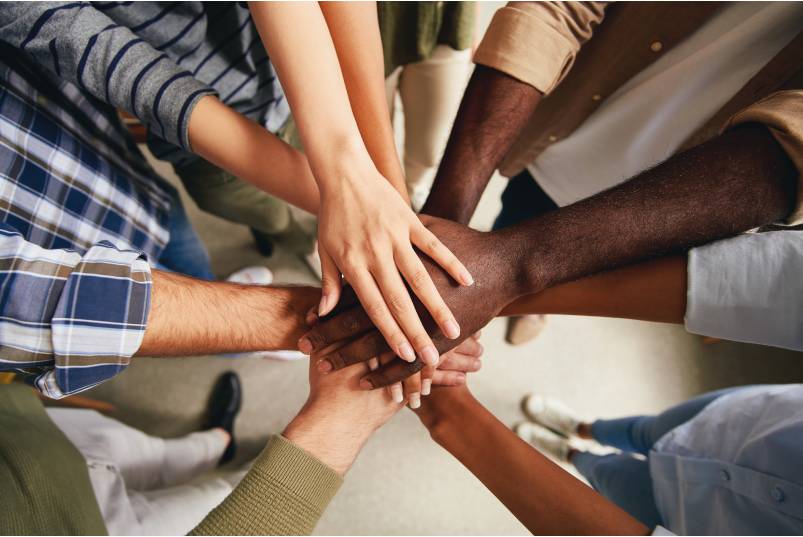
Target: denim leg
{"type": "Point", "coordinates": [623, 479]}
{"type": "Point", "coordinates": [185, 253]}
{"type": "Point", "coordinates": [637, 434]}
{"type": "Point", "coordinates": [521, 200]}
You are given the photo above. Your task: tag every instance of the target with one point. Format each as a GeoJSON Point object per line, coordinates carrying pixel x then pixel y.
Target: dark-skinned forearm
{"type": "Point", "coordinates": [738, 181]}
{"type": "Point", "coordinates": [493, 111]}
{"type": "Point", "coordinates": [654, 290]}
{"type": "Point", "coordinates": [544, 497]}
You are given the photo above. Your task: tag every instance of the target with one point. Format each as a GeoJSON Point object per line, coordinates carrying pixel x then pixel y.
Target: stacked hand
{"type": "Point", "coordinates": [348, 336]}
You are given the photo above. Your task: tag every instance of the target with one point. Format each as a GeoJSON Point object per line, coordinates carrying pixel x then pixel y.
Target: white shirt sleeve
{"type": "Point", "coordinates": [748, 288]}
{"type": "Point", "coordinates": [660, 530]}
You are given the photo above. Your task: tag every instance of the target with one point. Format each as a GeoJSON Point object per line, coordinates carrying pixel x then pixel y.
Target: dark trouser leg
{"type": "Point", "coordinates": [521, 200]}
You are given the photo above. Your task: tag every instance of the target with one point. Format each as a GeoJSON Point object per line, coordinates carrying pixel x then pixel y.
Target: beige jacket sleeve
{"type": "Point", "coordinates": [537, 42]}
{"type": "Point", "coordinates": [782, 113]}
{"type": "Point", "coordinates": [285, 493]}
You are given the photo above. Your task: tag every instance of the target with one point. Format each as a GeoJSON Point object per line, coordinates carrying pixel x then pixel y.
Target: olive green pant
{"type": "Point", "coordinates": [220, 193]}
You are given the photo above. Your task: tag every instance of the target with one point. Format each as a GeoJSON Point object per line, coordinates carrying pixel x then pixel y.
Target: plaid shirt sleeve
{"type": "Point", "coordinates": [74, 319]}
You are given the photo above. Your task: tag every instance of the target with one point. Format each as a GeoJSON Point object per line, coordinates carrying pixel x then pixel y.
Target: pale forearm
{"type": "Point", "coordinates": [544, 497]}
{"type": "Point", "coordinates": [245, 149]}
{"type": "Point", "coordinates": [355, 34]}
{"type": "Point", "coordinates": [307, 64]}
{"type": "Point", "coordinates": [650, 291]}
{"type": "Point", "coordinates": [191, 317]}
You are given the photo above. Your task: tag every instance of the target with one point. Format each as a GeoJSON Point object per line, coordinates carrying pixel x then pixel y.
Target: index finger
{"type": "Point", "coordinates": [390, 373]}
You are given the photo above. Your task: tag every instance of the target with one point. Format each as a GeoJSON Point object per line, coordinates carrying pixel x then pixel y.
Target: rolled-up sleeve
{"type": "Point", "coordinates": [748, 288]}
{"type": "Point", "coordinates": [537, 42]}
{"type": "Point", "coordinates": [71, 320]}
{"type": "Point", "coordinates": [782, 113]}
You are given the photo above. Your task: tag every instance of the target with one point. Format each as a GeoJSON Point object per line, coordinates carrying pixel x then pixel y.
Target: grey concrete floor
{"type": "Point", "coordinates": [403, 483]}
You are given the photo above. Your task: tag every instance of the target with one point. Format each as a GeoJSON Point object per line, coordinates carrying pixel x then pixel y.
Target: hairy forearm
{"type": "Point", "coordinates": [245, 149]}
{"type": "Point", "coordinates": [650, 291]}
{"type": "Point", "coordinates": [191, 317]}
{"type": "Point", "coordinates": [544, 497]}
{"type": "Point", "coordinates": [738, 181]}
{"type": "Point", "coordinates": [355, 34]}
{"type": "Point", "coordinates": [495, 108]}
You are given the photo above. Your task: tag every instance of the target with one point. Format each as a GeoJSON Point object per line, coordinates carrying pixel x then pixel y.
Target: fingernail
{"type": "Point", "coordinates": [477, 365]}
{"type": "Point", "coordinates": [396, 393]}
{"type": "Point", "coordinates": [426, 386]}
{"type": "Point", "coordinates": [324, 366]}
{"type": "Point", "coordinates": [323, 307]}
{"type": "Point", "coordinates": [415, 400]}
{"type": "Point", "coordinates": [311, 318]}
{"type": "Point", "coordinates": [451, 329]}
{"type": "Point", "coordinates": [429, 355]}
{"type": "Point", "coordinates": [366, 384]}
{"type": "Point", "coordinates": [461, 377]}
{"type": "Point", "coordinates": [466, 278]}
{"type": "Point", "coordinates": [305, 345]}
{"type": "Point", "coordinates": [406, 352]}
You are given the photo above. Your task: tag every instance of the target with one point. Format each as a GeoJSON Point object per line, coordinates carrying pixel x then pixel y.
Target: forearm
{"type": "Point", "coordinates": [650, 291]}
{"type": "Point", "coordinates": [191, 317]}
{"type": "Point", "coordinates": [307, 65]}
{"type": "Point", "coordinates": [495, 108]}
{"type": "Point", "coordinates": [738, 181]}
{"type": "Point", "coordinates": [355, 33]}
{"type": "Point", "coordinates": [544, 497]}
{"type": "Point", "coordinates": [245, 149]}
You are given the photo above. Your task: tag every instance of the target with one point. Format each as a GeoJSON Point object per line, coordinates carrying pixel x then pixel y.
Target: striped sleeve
{"type": "Point", "coordinates": [78, 42]}
{"type": "Point", "coordinates": [74, 320]}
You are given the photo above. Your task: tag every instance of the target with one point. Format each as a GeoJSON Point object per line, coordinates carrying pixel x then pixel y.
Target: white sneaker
{"type": "Point", "coordinates": [544, 440]}
{"type": "Point", "coordinates": [551, 413]}
{"type": "Point", "coordinates": [256, 275]}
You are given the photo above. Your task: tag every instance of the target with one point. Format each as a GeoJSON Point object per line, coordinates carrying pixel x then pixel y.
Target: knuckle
{"type": "Point", "coordinates": [419, 279]}
{"type": "Point", "coordinates": [375, 310]}
{"type": "Point", "coordinates": [432, 244]}
{"type": "Point", "coordinates": [397, 303]}
{"type": "Point", "coordinates": [420, 340]}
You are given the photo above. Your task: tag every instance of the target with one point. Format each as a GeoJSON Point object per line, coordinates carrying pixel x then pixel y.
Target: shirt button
{"type": "Point", "coordinates": [777, 494]}
{"type": "Point", "coordinates": [656, 46]}
{"type": "Point", "coordinates": [724, 475]}
{"type": "Point", "coordinates": [596, 97]}
{"type": "Point", "coordinates": [553, 138]}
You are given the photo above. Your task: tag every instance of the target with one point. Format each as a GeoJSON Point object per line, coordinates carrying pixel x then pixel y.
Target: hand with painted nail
{"type": "Point", "coordinates": [496, 286]}
{"type": "Point", "coordinates": [368, 233]}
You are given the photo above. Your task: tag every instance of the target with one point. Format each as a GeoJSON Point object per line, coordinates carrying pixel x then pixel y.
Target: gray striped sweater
{"type": "Point", "coordinates": [154, 60]}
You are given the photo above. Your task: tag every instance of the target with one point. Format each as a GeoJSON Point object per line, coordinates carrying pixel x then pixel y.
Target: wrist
{"type": "Point", "coordinates": [328, 435]}
{"type": "Point", "coordinates": [343, 161]}
{"type": "Point", "coordinates": [444, 413]}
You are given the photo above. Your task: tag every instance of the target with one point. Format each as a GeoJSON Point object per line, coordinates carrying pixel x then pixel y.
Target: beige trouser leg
{"type": "Point", "coordinates": [430, 92]}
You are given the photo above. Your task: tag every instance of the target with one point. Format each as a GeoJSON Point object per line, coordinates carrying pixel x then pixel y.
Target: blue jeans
{"type": "Point", "coordinates": [184, 252]}
{"type": "Point", "coordinates": [624, 478]}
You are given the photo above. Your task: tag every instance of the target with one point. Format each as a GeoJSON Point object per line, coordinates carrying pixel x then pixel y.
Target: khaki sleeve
{"type": "Point", "coordinates": [285, 493]}
{"type": "Point", "coordinates": [782, 113]}
{"type": "Point", "coordinates": [537, 42]}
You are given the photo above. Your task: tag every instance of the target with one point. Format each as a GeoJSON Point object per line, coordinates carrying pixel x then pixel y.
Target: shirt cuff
{"type": "Point", "coordinates": [537, 42]}
{"type": "Point", "coordinates": [782, 113]}
{"type": "Point", "coordinates": [748, 288]}
{"type": "Point", "coordinates": [99, 320]}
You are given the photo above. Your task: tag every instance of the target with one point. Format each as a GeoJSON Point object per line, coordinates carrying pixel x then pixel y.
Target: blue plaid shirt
{"type": "Point", "coordinates": [81, 213]}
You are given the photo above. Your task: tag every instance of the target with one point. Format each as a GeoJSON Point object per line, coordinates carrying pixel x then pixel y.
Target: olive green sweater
{"type": "Point", "coordinates": [45, 487]}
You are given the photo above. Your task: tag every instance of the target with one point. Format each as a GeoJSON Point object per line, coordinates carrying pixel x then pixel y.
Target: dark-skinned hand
{"type": "Point", "coordinates": [496, 276]}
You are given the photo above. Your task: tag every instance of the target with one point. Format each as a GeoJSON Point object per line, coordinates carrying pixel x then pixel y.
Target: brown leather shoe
{"type": "Point", "coordinates": [524, 328]}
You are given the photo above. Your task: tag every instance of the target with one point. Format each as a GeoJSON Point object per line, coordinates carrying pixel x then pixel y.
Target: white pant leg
{"type": "Point", "coordinates": [431, 91]}
{"type": "Point", "coordinates": [177, 510]}
{"type": "Point", "coordinates": [144, 461]}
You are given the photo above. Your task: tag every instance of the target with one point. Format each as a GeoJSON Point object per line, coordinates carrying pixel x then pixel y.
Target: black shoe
{"type": "Point", "coordinates": [224, 405]}
{"type": "Point", "coordinates": [263, 242]}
